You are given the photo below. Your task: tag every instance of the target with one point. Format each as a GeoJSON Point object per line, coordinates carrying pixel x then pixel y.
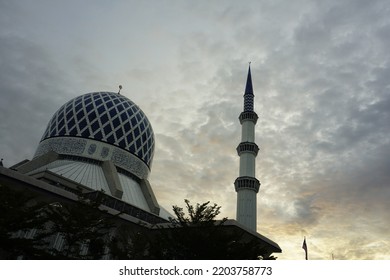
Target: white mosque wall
{"type": "Point", "coordinates": [132, 192]}
{"type": "Point", "coordinates": [85, 173]}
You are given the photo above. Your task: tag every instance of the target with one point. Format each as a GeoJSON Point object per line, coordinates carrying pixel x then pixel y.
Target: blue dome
{"type": "Point", "coordinates": [107, 117]}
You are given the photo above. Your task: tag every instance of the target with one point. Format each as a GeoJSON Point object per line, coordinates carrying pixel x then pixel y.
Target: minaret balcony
{"type": "Point", "coordinates": [248, 183]}
{"type": "Point", "coordinates": [248, 116]}
{"type": "Point", "coordinates": [247, 147]}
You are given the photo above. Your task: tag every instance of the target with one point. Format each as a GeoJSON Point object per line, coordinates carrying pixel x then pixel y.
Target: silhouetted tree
{"type": "Point", "coordinates": [198, 234]}
{"type": "Point", "coordinates": [21, 216]}
{"type": "Point", "coordinates": [28, 225]}
{"type": "Point", "coordinates": [130, 242]}
{"type": "Point", "coordinates": [201, 215]}
{"type": "Point", "coordinates": [83, 227]}
{"type": "Point", "coordinates": [192, 234]}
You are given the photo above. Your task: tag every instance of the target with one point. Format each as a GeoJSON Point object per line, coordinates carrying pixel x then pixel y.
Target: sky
{"type": "Point", "coordinates": [321, 78]}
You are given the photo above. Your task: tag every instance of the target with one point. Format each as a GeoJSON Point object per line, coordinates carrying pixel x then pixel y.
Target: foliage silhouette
{"type": "Point", "coordinates": [28, 228]}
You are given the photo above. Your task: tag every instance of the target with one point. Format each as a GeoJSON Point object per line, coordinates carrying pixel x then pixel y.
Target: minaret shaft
{"type": "Point", "coordinates": [246, 184]}
{"type": "Point", "coordinates": [248, 132]}
{"type": "Point", "coordinates": [247, 165]}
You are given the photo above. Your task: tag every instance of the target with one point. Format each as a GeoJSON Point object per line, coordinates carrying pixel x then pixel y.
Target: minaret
{"type": "Point", "coordinates": [246, 185]}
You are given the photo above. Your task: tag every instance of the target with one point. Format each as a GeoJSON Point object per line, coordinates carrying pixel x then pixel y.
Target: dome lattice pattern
{"type": "Point", "coordinates": [107, 117]}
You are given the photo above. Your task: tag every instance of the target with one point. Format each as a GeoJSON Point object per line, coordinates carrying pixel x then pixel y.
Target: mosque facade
{"type": "Point", "coordinates": [102, 142]}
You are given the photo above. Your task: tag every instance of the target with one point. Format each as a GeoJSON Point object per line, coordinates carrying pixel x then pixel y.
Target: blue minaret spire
{"type": "Point", "coordinates": [248, 95]}
{"type": "Point", "coordinates": [246, 185]}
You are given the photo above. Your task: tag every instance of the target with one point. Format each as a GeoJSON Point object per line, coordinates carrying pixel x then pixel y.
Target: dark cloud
{"type": "Point", "coordinates": [31, 87]}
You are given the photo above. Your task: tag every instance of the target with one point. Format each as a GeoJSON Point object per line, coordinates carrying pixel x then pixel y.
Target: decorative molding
{"type": "Point", "coordinates": [130, 163]}
{"type": "Point", "coordinates": [75, 146]}
{"type": "Point", "coordinates": [248, 116]}
{"type": "Point", "coordinates": [92, 149]}
{"type": "Point", "coordinates": [248, 183]}
{"type": "Point", "coordinates": [62, 145]}
{"type": "Point", "coordinates": [104, 152]}
{"type": "Point", "coordinates": [247, 147]}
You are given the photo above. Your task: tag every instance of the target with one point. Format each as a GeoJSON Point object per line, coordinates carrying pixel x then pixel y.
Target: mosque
{"type": "Point", "coordinates": [102, 141]}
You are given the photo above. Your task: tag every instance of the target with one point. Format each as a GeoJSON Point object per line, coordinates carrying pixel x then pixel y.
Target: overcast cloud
{"type": "Point", "coordinates": [321, 76]}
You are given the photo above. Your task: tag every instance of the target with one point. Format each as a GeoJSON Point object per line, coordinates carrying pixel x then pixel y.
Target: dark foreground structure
{"type": "Point", "coordinates": [124, 232]}
{"type": "Point", "coordinates": [86, 194]}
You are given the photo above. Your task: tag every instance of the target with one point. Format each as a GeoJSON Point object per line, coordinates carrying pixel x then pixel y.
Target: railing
{"type": "Point", "coordinates": [247, 147]}
{"type": "Point", "coordinates": [246, 182]}
{"type": "Point", "coordinates": [248, 115]}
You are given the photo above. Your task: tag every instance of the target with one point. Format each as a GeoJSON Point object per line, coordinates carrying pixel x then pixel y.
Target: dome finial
{"type": "Point", "coordinates": [120, 87]}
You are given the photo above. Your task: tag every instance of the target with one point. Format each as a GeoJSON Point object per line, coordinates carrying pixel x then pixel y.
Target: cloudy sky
{"type": "Point", "coordinates": [321, 76]}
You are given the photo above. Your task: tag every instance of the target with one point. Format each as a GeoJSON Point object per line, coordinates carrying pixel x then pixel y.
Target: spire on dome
{"type": "Point", "coordinates": [249, 87]}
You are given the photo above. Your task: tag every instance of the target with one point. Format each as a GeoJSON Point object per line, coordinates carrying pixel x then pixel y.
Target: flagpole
{"type": "Point", "coordinates": [304, 247]}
